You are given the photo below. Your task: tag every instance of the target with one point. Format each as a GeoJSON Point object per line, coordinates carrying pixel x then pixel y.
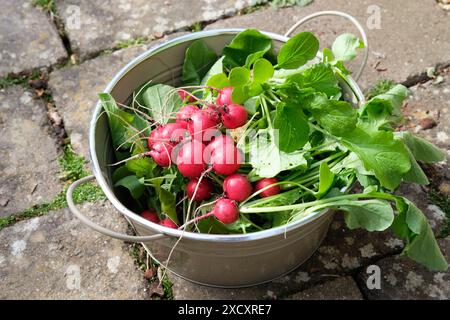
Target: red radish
{"type": "Point", "coordinates": [260, 184]}
{"type": "Point", "coordinates": [184, 96]}
{"type": "Point", "coordinates": [233, 116]}
{"type": "Point", "coordinates": [161, 153]}
{"type": "Point", "coordinates": [224, 97]}
{"type": "Point", "coordinates": [204, 189]}
{"type": "Point", "coordinates": [200, 122]}
{"type": "Point", "coordinates": [226, 211]}
{"type": "Point", "coordinates": [173, 132]}
{"type": "Point", "coordinates": [214, 113]}
{"type": "Point", "coordinates": [225, 159]}
{"type": "Point", "coordinates": [220, 141]}
{"type": "Point", "coordinates": [155, 136]}
{"type": "Point", "coordinates": [190, 160]}
{"type": "Point", "coordinates": [185, 113]}
{"type": "Point", "coordinates": [150, 215]}
{"type": "Point", "coordinates": [168, 223]}
{"type": "Point", "coordinates": [237, 187]}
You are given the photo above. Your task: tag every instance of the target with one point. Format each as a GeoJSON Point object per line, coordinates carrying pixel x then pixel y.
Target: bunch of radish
{"type": "Point", "coordinates": [195, 144]}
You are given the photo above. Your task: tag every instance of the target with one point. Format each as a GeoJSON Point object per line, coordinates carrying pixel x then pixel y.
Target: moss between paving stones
{"type": "Point", "coordinates": [443, 202]}
{"type": "Point", "coordinates": [72, 168]}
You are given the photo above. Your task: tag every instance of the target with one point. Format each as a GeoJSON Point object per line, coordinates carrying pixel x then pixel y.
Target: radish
{"type": "Point", "coordinates": [173, 132]}
{"type": "Point", "coordinates": [219, 141]}
{"type": "Point", "coordinates": [233, 116]}
{"type": "Point", "coordinates": [184, 96]}
{"type": "Point", "coordinates": [150, 215]}
{"type": "Point", "coordinates": [224, 97]}
{"type": "Point", "coordinates": [204, 189]}
{"type": "Point", "coordinates": [190, 160]}
{"type": "Point", "coordinates": [261, 184]}
{"type": "Point", "coordinates": [161, 153]}
{"type": "Point", "coordinates": [168, 133]}
{"type": "Point", "coordinates": [200, 122]}
{"type": "Point", "coordinates": [226, 211]}
{"type": "Point", "coordinates": [155, 136]}
{"type": "Point", "coordinates": [168, 223]}
{"type": "Point", "coordinates": [184, 114]}
{"type": "Point", "coordinates": [237, 187]}
{"type": "Point", "coordinates": [225, 159]}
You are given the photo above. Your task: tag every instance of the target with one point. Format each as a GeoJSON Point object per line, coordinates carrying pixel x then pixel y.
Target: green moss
{"type": "Point", "coordinates": [443, 202]}
{"type": "Point", "coordinates": [46, 5]}
{"type": "Point", "coordinates": [196, 27]}
{"type": "Point", "coordinates": [382, 86]}
{"type": "Point", "coordinates": [19, 79]}
{"type": "Point", "coordinates": [289, 3]}
{"type": "Point", "coordinates": [129, 43]}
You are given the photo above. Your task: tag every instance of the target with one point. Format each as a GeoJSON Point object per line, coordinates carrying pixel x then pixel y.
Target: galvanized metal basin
{"type": "Point", "coordinates": [214, 260]}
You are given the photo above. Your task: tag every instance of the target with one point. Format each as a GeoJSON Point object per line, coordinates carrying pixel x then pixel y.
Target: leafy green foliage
{"type": "Point", "coordinates": [412, 225]}
{"type": "Point", "coordinates": [380, 87]}
{"type": "Point", "coordinates": [198, 60]}
{"type": "Point", "coordinates": [387, 157]}
{"type": "Point", "coordinates": [292, 126]}
{"type": "Point", "coordinates": [421, 149]}
{"type": "Point", "coordinates": [337, 117]}
{"type": "Point", "coordinates": [267, 159]}
{"type": "Point", "coordinates": [384, 110]}
{"type": "Point", "coordinates": [247, 46]}
{"type": "Point", "coordinates": [319, 77]}
{"type": "Point", "coordinates": [345, 47]}
{"type": "Point", "coordinates": [372, 215]}
{"type": "Point", "coordinates": [298, 50]}
{"type": "Point", "coordinates": [163, 101]}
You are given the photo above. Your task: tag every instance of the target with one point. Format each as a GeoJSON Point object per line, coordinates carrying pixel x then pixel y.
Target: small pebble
{"type": "Point", "coordinates": [427, 123]}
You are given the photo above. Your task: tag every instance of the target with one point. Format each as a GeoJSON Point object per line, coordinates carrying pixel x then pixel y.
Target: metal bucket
{"type": "Point", "coordinates": [213, 260]}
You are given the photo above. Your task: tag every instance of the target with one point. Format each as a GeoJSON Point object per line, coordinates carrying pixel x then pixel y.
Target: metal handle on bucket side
{"type": "Point", "coordinates": [346, 16]}
{"type": "Point", "coordinates": [96, 227]}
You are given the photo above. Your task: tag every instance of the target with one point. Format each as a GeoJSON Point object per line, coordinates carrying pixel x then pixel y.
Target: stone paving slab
{"type": "Point", "coordinates": [28, 162]}
{"type": "Point", "coordinates": [28, 39]}
{"type": "Point", "coordinates": [401, 278]}
{"type": "Point", "coordinates": [75, 90]}
{"type": "Point", "coordinates": [56, 257]}
{"type": "Point", "coordinates": [343, 288]}
{"type": "Point", "coordinates": [413, 34]}
{"type": "Point", "coordinates": [102, 24]}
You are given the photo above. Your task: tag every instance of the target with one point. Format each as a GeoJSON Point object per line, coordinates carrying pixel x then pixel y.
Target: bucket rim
{"type": "Point", "coordinates": [258, 235]}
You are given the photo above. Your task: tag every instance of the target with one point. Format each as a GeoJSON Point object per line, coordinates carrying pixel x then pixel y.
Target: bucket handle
{"type": "Point", "coordinates": [346, 16]}
{"type": "Point", "coordinates": [96, 227]}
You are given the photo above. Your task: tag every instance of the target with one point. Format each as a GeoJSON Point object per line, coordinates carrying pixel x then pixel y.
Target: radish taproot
{"type": "Point", "coordinates": [190, 160]}
{"type": "Point", "coordinates": [237, 187]}
{"type": "Point", "coordinates": [204, 189]}
{"type": "Point", "coordinates": [271, 191]}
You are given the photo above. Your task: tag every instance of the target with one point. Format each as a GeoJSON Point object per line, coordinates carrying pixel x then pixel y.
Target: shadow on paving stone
{"type": "Point", "coordinates": [28, 39]}
{"type": "Point", "coordinates": [101, 27]}
{"type": "Point", "coordinates": [56, 257]}
{"type": "Point", "coordinates": [396, 42]}
{"type": "Point", "coordinates": [343, 288]}
{"type": "Point", "coordinates": [402, 278]}
{"type": "Point", "coordinates": [342, 252]}
{"type": "Point", "coordinates": [28, 162]}
{"type": "Point", "coordinates": [75, 90]}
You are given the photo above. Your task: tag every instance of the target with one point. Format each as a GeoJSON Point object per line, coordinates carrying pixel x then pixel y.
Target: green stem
{"type": "Point", "coordinates": [377, 195]}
